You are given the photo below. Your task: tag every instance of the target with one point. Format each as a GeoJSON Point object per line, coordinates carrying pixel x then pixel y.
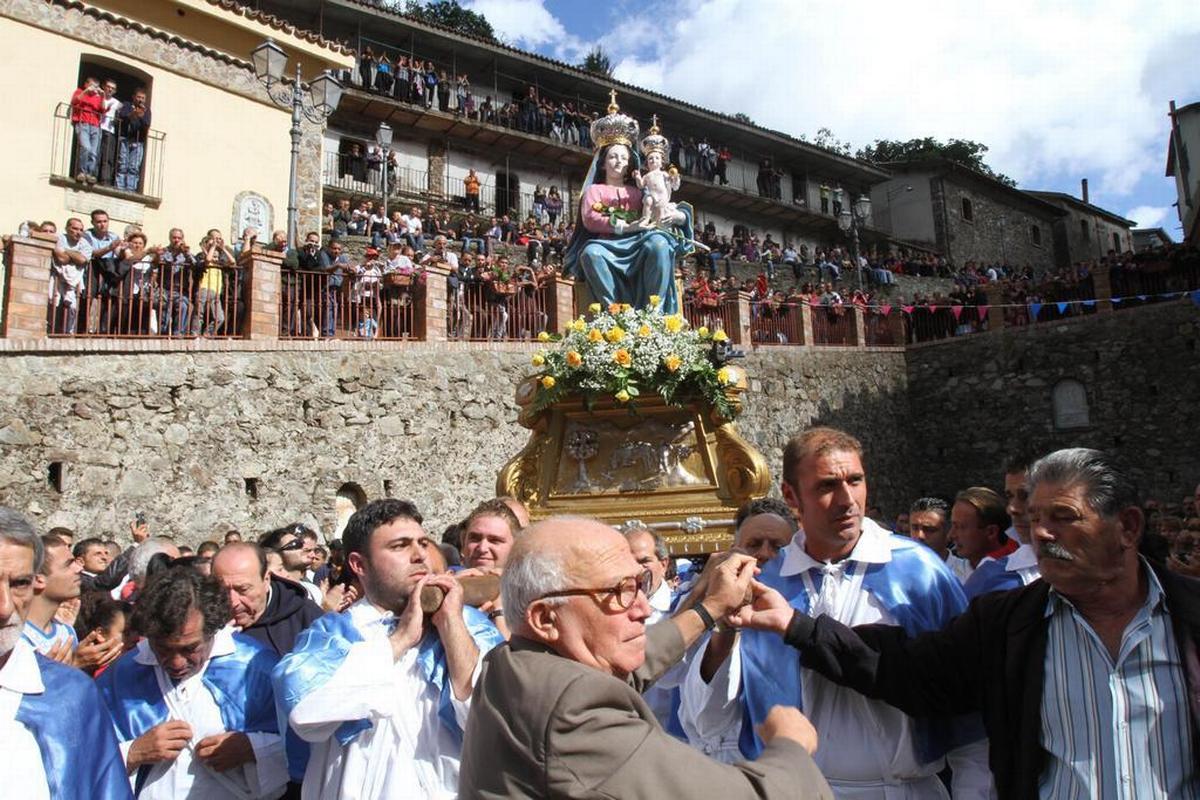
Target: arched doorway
{"type": "Point", "coordinates": [350, 498]}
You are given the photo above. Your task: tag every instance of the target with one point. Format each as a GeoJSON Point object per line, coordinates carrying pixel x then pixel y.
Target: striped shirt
{"type": "Point", "coordinates": [1116, 731]}
{"type": "Point", "coordinates": [45, 640]}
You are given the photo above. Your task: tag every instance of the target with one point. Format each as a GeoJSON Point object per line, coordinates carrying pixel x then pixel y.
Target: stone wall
{"type": "Point", "coordinates": [201, 441]}
{"type": "Point", "coordinates": [974, 399]}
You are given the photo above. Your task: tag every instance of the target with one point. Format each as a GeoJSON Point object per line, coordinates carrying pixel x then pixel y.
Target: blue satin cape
{"type": "Point", "coordinates": [920, 593]}
{"type": "Point", "coordinates": [75, 734]}
{"type": "Point", "coordinates": [239, 682]}
{"type": "Point", "coordinates": [323, 646]}
{"type": "Point", "coordinates": [992, 576]}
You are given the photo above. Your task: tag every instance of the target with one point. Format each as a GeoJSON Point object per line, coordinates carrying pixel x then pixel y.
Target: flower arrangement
{"type": "Point", "coordinates": [624, 353]}
{"type": "Point", "coordinates": [613, 213]}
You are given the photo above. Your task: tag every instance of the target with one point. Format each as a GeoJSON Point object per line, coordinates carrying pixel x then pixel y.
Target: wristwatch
{"type": "Point", "coordinates": [494, 613]}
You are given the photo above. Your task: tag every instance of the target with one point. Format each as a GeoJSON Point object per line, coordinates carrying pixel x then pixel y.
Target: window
{"type": "Point", "coordinates": [1035, 233]}
{"type": "Point", "coordinates": [1083, 229]}
{"type": "Point", "coordinates": [1117, 242]}
{"type": "Point", "coordinates": [350, 498]}
{"type": "Point", "coordinates": [1070, 405]}
{"type": "Point", "coordinates": [968, 211]}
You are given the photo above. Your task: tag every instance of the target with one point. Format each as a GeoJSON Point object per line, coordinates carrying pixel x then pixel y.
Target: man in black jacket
{"type": "Point", "coordinates": [268, 608]}
{"type": "Point", "coordinates": [1083, 678]}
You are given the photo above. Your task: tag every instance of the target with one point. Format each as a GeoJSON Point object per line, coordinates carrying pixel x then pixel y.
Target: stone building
{"type": "Point", "coordinates": [1184, 146]}
{"type": "Point", "coordinates": [216, 140]}
{"type": "Point", "coordinates": [1149, 238]}
{"type": "Point", "coordinates": [964, 214]}
{"type": "Point", "coordinates": [435, 148]}
{"type": "Point", "coordinates": [1086, 232]}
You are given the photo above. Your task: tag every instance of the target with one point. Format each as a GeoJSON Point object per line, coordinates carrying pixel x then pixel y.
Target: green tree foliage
{"type": "Point", "coordinates": [961, 151]}
{"type": "Point", "coordinates": [743, 118]}
{"type": "Point", "coordinates": [597, 62]}
{"type": "Point", "coordinates": [448, 14]}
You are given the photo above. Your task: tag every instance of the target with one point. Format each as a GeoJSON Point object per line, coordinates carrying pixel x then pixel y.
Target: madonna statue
{"type": "Point", "coordinates": [622, 261]}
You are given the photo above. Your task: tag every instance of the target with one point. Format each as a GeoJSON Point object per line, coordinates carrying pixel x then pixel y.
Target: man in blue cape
{"type": "Point", "coordinates": [379, 692]}
{"type": "Point", "coordinates": [58, 737]}
{"type": "Point", "coordinates": [192, 703]}
{"type": "Point", "coordinates": [848, 567]}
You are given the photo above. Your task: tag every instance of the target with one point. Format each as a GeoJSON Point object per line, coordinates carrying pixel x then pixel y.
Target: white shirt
{"type": "Point", "coordinates": [407, 752]}
{"type": "Point", "coordinates": [1023, 561]}
{"type": "Point", "coordinates": [22, 773]}
{"type": "Point", "coordinates": [191, 701]}
{"type": "Point", "coordinates": [961, 567]}
{"type": "Point", "coordinates": [875, 756]}
{"type": "Point", "coordinates": [414, 224]}
{"type": "Point", "coordinates": [111, 106]}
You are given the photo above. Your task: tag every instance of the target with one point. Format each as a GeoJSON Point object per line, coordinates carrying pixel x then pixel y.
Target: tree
{"type": "Point", "coordinates": [961, 151]}
{"type": "Point", "coordinates": [448, 14]}
{"type": "Point", "coordinates": [827, 140]}
{"type": "Point", "coordinates": [597, 62]}
{"type": "Point", "coordinates": [743, 118]}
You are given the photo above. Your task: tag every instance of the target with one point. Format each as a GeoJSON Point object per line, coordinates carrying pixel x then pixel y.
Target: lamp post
{"type": "Point", "coordinates": [849, 220]}
{"type": "Point", "coordinates": [383, 138]}
{"type": "Point", "coordinates": [324, 93]}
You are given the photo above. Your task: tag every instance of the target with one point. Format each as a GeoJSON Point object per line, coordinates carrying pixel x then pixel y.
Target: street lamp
{"type": "Point", "coordinates": [383, 137]}
{"type": "Point", "coordinates": [850, 220]}
{"type": "Point", "coordinates": [324, 92]}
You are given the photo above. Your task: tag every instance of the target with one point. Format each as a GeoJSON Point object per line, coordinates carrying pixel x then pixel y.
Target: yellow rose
{"type": "Point", "coordinates": [548, 382]}
{"type": "Point", "coordinates": [622, 396]}
{"type": "Point", "coordinates": [672, 362]}
{"type": "Point", "coordinates": [594, 308]}
{"type": "Point", "coordinates": [655, 299]}
{"type": "Point", "coordinates": [622, 357]}
{"type": "Point", "coordinates": [543, 336]}
{"type": "Point", "coordinates": [644, 331]}
{"type": "Point", "coordinates": [594, 335]}
{"type": "Point", "coordinates": [720, 336]}
{"type": "Point", "coordinates": [626, 307]}
{"type": "Point", "coordinates": [615, 334]}
{"type": "Point", "coordinates": [703, 331]}
{"type": "Point", "coordinates": [574, 359]}
{"type": "Point", "coordinates": [538, 359]}
{"type": "Point", "coordinates": [725, 375]}
{"type": "Point", "coordinates": [673, 323]}
{"type": "Point", "coordinates": [579, 325]}
{"type": "Point", "coordinates": [614, 308]}
{"type": "Point", "coordinates": [598, 206]}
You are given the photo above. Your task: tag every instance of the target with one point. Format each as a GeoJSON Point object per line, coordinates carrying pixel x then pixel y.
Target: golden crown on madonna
{"type": "Point", "coordinates": [615, 127]}
{"type": "Point", "coordinates": [655, 142]}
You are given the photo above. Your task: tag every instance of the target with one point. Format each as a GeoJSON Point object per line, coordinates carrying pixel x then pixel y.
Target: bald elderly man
{"type": "Point", "coordinates": [560, 707]}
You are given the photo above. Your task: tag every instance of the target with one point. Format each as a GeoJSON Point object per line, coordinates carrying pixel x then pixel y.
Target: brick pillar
{"type": "Point", "coordinates": [560, 303]}
{"type": "Point", "coordinates": [262, 293]}
{"type": "Point", "coordinates": [437, 167]}
{"type": "Point", "coordinates": [1102, 284]}
{"type": "Point", "coordinates": [806, 324]}
{"type": "Point", "coordinates": [858, 330]}
{"type": "Point", "coordinates": [26, 278]}
{"type": "Point", "coordinates": [737, 304]}
{"type": "Point", "coordinates": [432, 314]}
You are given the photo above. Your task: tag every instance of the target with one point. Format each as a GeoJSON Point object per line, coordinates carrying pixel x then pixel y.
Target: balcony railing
{"type": "Point", "coordinates": [351, 305]}
{"type": "Point", "coordinates": [358, 175]}
{"type": "Point", "coordinates": [122, 164]}
{"type": "Point", "coordinates": [495, 311]}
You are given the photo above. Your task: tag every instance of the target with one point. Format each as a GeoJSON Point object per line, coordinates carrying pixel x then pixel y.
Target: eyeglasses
{"type": "Point", "coordinates": [625, 592]}
{"type": "Point", "coordinates": [294, 544]}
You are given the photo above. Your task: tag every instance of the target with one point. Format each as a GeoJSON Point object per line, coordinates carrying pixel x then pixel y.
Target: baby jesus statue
{"type": "Point", "coordinates": [656, 185]}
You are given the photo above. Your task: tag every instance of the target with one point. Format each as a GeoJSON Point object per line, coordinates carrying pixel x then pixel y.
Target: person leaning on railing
{"type": "Point", "coordinates": [214, 258]}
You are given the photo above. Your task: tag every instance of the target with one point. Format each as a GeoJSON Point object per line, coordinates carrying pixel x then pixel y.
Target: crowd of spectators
{"type": "Point", "coordinates": [110, 134]}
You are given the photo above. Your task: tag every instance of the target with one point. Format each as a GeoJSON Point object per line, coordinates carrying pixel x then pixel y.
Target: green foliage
{"type": "Point", "coordinates": [448, 14]}
{"type": "Point", "coordinates": [961, 151]}
{"type": "Point", "coordinates": [597, 62]}
{"type": "Point", "coordinates": [743, 118]}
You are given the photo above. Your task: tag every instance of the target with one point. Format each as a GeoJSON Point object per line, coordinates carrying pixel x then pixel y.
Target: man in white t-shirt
{"type": "Point", "coordinates": [412, 222]}
{"type": "Point", "coordinates": [109, 134]}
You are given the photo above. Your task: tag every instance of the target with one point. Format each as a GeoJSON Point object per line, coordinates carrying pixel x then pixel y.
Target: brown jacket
{"type": "Point", "coordinates": [545, 726]}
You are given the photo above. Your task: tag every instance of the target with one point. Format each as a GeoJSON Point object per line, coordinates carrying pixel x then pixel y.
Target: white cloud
{"type": "Point", "coordinates": [1066, 90]}
{"type": "Point", "coordinates": [1148, 216]}
{"type": "Point", "coordinates": [530, 25]}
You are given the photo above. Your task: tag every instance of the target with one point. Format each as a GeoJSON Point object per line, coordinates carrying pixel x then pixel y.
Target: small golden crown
{"type": "Point", "coordinates": [615, 128]}
{"type": "Point", "coordinates": [655, 142]}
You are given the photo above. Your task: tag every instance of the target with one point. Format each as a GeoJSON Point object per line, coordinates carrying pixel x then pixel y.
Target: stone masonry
{"type": "Point", "coordinates": [202, 441]}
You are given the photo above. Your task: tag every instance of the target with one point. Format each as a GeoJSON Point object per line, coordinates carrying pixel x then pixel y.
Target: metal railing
{"type": "Point", "coordinates": [499, 311]}
{"type": "Point", "coordinates": [352, 304]}
{"type": "Point", "coordinates": [776, 323]}
{"type": "Point", "coordinates": [717, 313]}
{"type": "Point", "coordinates": [1153, 280]}
{"type": "Point", "coordinates": [833, 324]}
{"type": "Point", "coordinates": [359, 175]}
{"type": "Point", "coordinates": [147, 299]}
{"type": "Point", "coordinates": [121, 162]}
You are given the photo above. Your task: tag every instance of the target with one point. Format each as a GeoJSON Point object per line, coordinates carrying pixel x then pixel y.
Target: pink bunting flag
{"type": "Point", "coordinates": [885, 310]}
{"type": "Point", "coordinates": [907, 309]}
{"type": "Point", "coordinates": [957, 311]}
{"type": "Point", "coordinates": [982, 312]}
{"type": "Point", "coordinates": [933, 308]}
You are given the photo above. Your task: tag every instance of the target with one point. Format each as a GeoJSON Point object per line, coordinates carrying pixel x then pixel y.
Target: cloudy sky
{"type": "Point", "coordinates": [1058, 89]}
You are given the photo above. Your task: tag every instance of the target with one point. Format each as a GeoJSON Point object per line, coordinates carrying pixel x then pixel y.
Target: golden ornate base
{"type": "Point", "coordinates": [682, 471]}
